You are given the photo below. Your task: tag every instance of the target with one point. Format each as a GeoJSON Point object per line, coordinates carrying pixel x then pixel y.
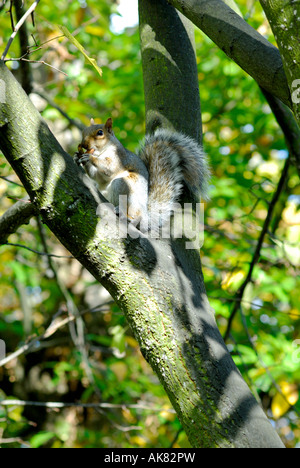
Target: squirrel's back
{"type": "Point", "coordinates": [173, 160]}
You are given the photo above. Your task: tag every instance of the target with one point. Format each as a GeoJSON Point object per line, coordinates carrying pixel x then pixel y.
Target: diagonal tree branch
{"type": "Point", "coordinates": [242, 43]}
{"type": "Point", "coordinates": [284, 18]}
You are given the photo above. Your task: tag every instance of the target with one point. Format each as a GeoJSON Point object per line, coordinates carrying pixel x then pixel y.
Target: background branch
{"type": "Point", "coordinates": [18, 26]}
{"type": "Point", "coordinates": [20, 213]}
{"type": "Point", "coordinates": [288, 124]}
{"type": "Point", "coordinates": [59, 404]}
{"type": "Point", "coordinates": [256, 254]}
{"type": "Point", "coordinates": [25, 68]}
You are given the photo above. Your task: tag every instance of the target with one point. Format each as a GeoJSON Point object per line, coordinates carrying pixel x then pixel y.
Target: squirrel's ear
{"type": "Point", "coordinates": [92, 121]}
{"type": "Point", "coordinates": [108, 125]}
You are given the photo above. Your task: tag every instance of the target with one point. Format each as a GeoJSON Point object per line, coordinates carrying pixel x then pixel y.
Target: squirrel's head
{"type": "Point", "coordinates": [96, 137]}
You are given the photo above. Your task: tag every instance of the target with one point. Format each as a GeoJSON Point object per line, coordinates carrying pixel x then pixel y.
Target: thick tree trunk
{"type": "Point", "coordinates": [158, 284]}
{"type": "Point", "coordinates": [169, 70]}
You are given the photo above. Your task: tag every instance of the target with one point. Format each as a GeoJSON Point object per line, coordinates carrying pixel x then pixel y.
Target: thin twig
{"type": "Point", "coordinates": [37, 252]}
{"type": "Point", "coordinates": [59, 404]}
{"type": "Point", "coordinates": [76, 327]}
{"type": "Point", "coordinates": [62, 112]}
{"type": "Point", "coordinates": [26, 77]}
{"type": "Point", "coordinates": [35, 61]}
{"type": "Point", "coordinates": [265, 367]}
{"type": "Point", "coordinates": [29, 51]}
{"type": "Point", "coordinates": [55, 325]}
{"type": "Point", "coordinates": [256, 254]}
{"type": "Point", "coordinates": [11, 181]}
{"type": "Point", "coordinates": [18, 214]}
{"type": "Point", "coordinates": [12, 440]}
{"type": "Point", "coordinates": [10, 11]}
{"type": "Point", "coordinates": [17, 27]}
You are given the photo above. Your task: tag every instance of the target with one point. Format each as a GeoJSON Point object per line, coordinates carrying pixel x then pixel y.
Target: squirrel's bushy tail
{"type": "Point", "coordinates": [173, 160]}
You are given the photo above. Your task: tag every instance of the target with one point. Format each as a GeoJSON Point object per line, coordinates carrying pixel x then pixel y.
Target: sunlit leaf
{"type": "Point", "coordinates": [41, 439]}
{"type": "Point", "coordinates": [77, 44]}
{"type": "Point", "coordinates": [282, 401]}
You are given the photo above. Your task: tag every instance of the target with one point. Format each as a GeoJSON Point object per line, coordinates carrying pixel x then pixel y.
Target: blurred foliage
{"type": "Point", "coordinates": [95, 359]}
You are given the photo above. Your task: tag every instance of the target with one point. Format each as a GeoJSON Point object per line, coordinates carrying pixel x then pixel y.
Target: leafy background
{"type": "Point", "coordinates": [95, 360]}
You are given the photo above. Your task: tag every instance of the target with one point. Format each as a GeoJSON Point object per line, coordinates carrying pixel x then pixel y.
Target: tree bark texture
{"type": "Point", "coordinates": [158, 284]}
{"type": "Point", "coordinates": [169, 70]}
{"type": "Point", "coordinates": [242, 43]}
{"type": "Point", "coordinates": [284, 18]}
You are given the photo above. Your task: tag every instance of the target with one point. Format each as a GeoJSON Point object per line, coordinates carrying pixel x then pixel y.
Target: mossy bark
{"type": "Point", "coordinates": [284, 18]}
{"type": "Point", "coordinates": [169, 70]}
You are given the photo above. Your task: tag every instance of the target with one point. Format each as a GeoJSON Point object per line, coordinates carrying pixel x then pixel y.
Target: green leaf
{"type": "Point", "coordinates": [77, 44]}
{"type": "Point", "coordinates": [118, 340]}
{"type": "Point", "coordinates": [40, 439]}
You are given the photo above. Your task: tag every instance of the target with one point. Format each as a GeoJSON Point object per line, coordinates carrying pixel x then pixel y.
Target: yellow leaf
{"type": "Point", "coordinates": [282, 401]}
{"type": "Point", "coordinates": [128, 416]}
{"type": "Point", "coordinates": [120, 370]}
{"type": "Point", "coordinates": [95, 30]}
{"type": "Point", "coordinates": [77, 44]}
{"type": "Point", "coordinates": [232, 279]}
{"type": "Point", "coordinates": [268, 169]}
{"type": "Point", "coordinates": [138, 440]}
{"type": "Point", "coordinates": [16, 414]}
{"type": "Point", "coordinates": [167, 415]}
{"type": "Point", "coordinates": [131, 342]}
{"type": "Point", "coordinates": [290, 391]}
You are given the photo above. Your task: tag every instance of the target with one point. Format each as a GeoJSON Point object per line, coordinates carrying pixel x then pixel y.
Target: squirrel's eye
{"type": "Point", "coordinates": [100, 132]}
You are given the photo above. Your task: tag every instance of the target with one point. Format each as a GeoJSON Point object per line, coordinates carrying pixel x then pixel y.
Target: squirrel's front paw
{"type": "Point", "coordinates": [81, 158]}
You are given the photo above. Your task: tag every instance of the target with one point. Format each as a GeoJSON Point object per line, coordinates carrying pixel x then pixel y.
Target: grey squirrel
{"type": "Point", "coordinates": [152, 180]}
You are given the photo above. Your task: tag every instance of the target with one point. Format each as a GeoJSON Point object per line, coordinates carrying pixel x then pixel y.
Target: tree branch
{"type": "Point", "coordinates": [59, 404]}
{"type": "Point", "coordinates": [288, 125]}
{"type": "Point", "coordinates": [18, 26]}
{"type": "Point", "coordinates": [50, 101]}
{"type": "Point", "coordinates": [55, 325]}
{"type": "Point", "coordinates": [242, 43]}
{"type": "Point", "coordinates": [45, 254]}
{"type": "Point", "coordinates": [25, 68]}
{"type": "Point", "coordinates": [256, 255]}
{"type": "Point", "coordinates": [283, 16]}
{"type": "Point", "coordinates": [20, 213]}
